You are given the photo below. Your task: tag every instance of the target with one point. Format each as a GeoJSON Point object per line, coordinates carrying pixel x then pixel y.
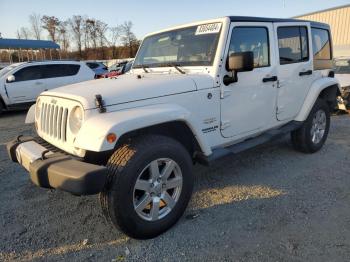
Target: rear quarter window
{"type": "Point", "coordinates": [322, 48]}
{"type": "Point", "coordinates": [321, 44]}
{"type": "Point", "coordinates": [60, 70]}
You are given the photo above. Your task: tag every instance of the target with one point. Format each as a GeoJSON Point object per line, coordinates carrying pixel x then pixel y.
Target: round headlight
{"type": "Point", "coordinates": [37, 109]}
{"type": "Point", "coordinates": [76, 119]}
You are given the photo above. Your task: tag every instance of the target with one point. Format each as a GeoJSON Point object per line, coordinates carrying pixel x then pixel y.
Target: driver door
{"type": "Point", "coordinates": [249, 104]}
{"type": "Point", "coordinates": [27, 86]}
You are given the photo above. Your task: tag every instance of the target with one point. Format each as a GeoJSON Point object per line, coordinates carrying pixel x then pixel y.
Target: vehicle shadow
{"type": "Point", "coordinates": [5, 114]}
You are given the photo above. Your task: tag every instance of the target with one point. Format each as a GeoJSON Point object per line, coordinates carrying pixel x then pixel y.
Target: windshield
{"type": "Point", "coordinates": [191, 46]}
{"type": "Point", "coordinates": [342, 66]}
{"type": "Point", "coordinates": [7, 69]}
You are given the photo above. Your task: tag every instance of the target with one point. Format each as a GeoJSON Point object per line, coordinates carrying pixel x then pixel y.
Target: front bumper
{"type": "Point", "coordinates": [56, 170]}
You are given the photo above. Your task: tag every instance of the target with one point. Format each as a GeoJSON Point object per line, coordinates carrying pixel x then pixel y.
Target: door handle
{"type": "Point", "coordinates": [38, 83]}
{"type": "Point", "coordinates": [305, 73]}
{"type": "Point", "coordinates": [270, 79]}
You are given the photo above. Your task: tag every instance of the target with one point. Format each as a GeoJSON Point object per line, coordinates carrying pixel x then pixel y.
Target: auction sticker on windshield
{"type": "Point", "coordinates": [213, 28]}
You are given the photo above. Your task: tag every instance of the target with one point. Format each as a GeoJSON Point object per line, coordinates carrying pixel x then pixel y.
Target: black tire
{"type": "Point", "coordinates": [124, 167]}
{"type": "Point", "coordinates": [1, 108]}
{"type": "Point", "coordinates": [302, 138]}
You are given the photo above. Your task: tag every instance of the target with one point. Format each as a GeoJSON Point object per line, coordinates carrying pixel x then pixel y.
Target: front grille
{"type": "Point", "coordinates": [53, 121]}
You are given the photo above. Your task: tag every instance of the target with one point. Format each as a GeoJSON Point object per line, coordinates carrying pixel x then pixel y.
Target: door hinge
{"type": "Point", "coordinates": [225, 124]}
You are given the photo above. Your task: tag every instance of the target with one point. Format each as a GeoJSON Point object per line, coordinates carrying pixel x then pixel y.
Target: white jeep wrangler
{"type": "Point", "coordinates": [196, 92]}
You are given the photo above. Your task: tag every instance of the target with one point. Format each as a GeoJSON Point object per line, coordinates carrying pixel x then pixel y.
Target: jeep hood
{"type": "Point", "coordinates": [131, 87]}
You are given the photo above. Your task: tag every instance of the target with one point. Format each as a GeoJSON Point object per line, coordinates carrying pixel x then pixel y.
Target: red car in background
{"type": "Point", "coordinates": [119, 69]}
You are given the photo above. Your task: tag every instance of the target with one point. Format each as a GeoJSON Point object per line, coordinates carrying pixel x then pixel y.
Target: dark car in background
{"type": "Point", "coordinates": [119, 69]}
{"type": "Point", "coordinates": [99, 68]}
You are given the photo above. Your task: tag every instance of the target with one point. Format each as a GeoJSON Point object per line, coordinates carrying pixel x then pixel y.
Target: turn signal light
{"type": "Point", "coordinates": [111, 138]}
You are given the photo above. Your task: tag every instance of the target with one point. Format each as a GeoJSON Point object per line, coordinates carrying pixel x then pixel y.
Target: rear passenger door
{"type": "Point", "coordinates": [295, 68]}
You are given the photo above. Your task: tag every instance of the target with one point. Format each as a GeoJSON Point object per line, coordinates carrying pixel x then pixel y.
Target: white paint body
{"type": "Point", "coordinates": [238, 111]}
{"type": "Point", "coordinates": [19, 92]}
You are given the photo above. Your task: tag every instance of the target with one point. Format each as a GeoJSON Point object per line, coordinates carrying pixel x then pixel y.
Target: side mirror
{"type": "Point", "coordinates": [238, 62]}
{"type": "Point", "coordinates": [10, 79]}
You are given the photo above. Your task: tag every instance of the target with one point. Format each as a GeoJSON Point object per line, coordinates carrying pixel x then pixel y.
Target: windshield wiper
{"type": "Point", "coordinates": [176, 66]}
{"type": "Point", "coordinates": [144, 68]}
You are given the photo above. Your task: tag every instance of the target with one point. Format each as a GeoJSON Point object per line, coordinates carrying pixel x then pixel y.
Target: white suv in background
{"type": "Point", "coordinates": [21, 83]}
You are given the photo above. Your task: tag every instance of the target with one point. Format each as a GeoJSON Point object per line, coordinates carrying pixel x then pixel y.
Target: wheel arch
{"type": "Point", "coordinates": [326, 88]}
{"type": "Point", "coordinates": [178, 130]}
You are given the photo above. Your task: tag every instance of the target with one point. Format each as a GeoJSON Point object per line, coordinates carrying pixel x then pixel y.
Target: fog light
{"type": "Point", "coordinates": [111, 138]}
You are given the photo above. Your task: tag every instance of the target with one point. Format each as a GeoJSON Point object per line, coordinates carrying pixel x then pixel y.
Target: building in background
{"type": "Point", "coordinates": [339, 20]}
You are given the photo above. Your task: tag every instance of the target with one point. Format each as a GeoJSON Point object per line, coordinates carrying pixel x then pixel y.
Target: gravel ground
{"type": "Point", "coordinates": [267, 204]}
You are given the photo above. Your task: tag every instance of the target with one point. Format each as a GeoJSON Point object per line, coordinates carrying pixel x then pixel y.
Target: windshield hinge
{"type": "Point", "coordinates": [225, 93]}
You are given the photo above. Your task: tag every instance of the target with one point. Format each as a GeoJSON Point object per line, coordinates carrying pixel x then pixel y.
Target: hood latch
{"type": "Point", "coordinates": [100, 103]}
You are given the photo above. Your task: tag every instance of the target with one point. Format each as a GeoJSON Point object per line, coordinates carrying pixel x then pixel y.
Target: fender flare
{"type": "Point", "coordinates": [92, 135]}
{"type": "Point", "coordinates": [315, 90]}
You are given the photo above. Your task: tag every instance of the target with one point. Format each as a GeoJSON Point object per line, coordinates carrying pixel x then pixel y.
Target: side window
{"type": "Point", "coordinates": [72, 70]}
{"type": "Point", "coordinates": [60, 70]}
{"type": "Point", "coordinates": [254, 39]}
{"type": "Point", "coordinates": [293, 44]}
{"type": "Point", "coordinates": [92, 65]}
{"type": "Point", "coordinates": [28, 73]}
{"type": "Point", "coordinates": [321, 44]}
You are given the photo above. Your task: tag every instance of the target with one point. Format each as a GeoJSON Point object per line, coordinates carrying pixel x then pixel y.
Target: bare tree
{"type": "Point", "coordinates": [18, 34]}
{"type": "Point", "coordinates": [76, 24]}
{"type": "Point", "coordinates": [36, 25]}
{"type": "Point", "coordinates": [114, 37]}
{"type": "Point", "coordinates": [86, 33]}
{"type": "Point", "coordinates": [91, 31]}
{"type": "Point", "coordinates": [128, 37]}
{"type": "Point", "coordinates": [63, 36]}
{"type": "Point", "coordinates": [51, 24]}
{"type": "Point", "coordinates": [23, 33]}
{"type": "Point", "coordinates": [101, 29]}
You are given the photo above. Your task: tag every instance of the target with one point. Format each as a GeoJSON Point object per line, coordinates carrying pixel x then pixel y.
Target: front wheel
{"type": "Point", "coordinates": [312, 135]}
{"type": "Point", "coordinates": [149, 186]}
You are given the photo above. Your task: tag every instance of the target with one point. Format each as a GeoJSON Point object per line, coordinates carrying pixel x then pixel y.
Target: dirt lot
{"type": "Point", "coordinates": [267, 204]}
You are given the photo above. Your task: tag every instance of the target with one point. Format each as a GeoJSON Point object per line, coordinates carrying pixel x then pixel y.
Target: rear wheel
{"type": "Point", "coordinates": [311, 136]}
{"type": "Point", "coordinates": [149, 186]}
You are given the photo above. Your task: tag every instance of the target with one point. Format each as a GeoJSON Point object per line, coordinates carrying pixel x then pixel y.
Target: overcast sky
{"type": "Point", "coordinates": [151, 15]}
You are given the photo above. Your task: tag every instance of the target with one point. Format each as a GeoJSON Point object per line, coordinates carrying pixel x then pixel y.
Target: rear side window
{"type": "Point", "coordinates": [293, 44]}
{"type": "Point", "coordinates": [60, 70]}
{"type": "Point", "coordinates": [321, 44]}
{"type": "Point", "coordinates": [28, 73]}
{"type": "Point", "coordinates": [254, 39]}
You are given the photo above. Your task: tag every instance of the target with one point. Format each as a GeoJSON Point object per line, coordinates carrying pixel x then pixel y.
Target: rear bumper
{"type": "Point", "coordinates": [56, 170]}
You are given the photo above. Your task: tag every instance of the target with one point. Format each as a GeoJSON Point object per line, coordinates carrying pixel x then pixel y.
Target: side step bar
{"type": "Point", "coordinates": [249, 143]}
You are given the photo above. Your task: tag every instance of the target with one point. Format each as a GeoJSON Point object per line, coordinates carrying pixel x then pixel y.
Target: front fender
{"type": "Point", "coordinates": [30, 117]}
{"type": "Point", "coordinates": [92, 135]}
{"type": "Point", "coordinates": [314, 92]}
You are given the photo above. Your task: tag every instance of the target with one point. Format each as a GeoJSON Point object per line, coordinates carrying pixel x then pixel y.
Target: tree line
{"type": "Point", "coordinates": [83, 37]}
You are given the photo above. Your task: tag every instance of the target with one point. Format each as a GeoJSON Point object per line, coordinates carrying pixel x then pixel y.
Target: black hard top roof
{"type": "Point", "coordinates": [275, 20]}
